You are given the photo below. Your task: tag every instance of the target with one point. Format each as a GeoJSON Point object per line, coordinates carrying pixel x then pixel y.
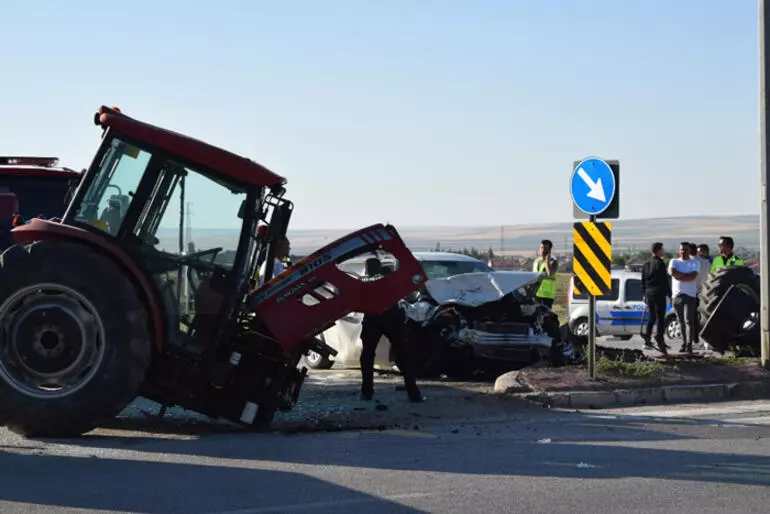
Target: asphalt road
{"type": "Point", "coordinates": [684, 459]}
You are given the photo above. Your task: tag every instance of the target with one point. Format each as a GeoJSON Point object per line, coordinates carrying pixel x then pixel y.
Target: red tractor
{"type": "Point", "coordinates": [96, 310]}
{"type": "Point", "coordinates": [32, 187]}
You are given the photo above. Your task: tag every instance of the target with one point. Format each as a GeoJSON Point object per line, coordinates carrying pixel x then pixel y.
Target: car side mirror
{"type": "Point", "coordinates": [242, 210]}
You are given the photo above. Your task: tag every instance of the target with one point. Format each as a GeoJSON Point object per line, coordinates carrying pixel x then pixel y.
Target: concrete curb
{"type": "Point", "coordinates": [649, 395]}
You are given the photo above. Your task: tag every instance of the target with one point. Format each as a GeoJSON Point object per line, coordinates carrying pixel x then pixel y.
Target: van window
{"type": "Point", "coordinates": [633, 291]}
{"type": "Point", "coordinates": [614, 294]}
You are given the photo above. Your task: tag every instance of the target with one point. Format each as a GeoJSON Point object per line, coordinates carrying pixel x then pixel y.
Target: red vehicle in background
{"type": "Point", "coordinates": [32, 187]}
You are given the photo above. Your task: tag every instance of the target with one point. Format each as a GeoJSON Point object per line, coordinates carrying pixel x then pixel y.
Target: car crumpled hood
{"type": "Point", "coordinates": [474, 289]}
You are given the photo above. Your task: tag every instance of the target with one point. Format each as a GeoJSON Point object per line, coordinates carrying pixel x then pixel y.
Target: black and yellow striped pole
{"type": "Point", "coordinates": [592, 263]}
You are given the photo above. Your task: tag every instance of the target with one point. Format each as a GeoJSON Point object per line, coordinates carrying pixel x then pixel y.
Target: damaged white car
{"type": "Point", "coordinates": [461, 321]}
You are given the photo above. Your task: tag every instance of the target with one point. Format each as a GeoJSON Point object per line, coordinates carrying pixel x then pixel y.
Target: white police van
{"type": "Point", "coordinates": [621, 314]}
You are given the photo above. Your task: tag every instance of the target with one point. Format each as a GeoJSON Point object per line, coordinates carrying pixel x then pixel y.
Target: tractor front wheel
{"type": "Point", "coordinates": [74, 339]}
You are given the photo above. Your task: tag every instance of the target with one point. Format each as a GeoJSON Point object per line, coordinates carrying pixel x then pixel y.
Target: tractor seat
{"type": "Point", "coordinates": [113, 214]}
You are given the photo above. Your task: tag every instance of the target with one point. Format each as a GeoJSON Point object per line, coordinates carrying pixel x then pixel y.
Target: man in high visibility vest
{"type": "Point", "coordinates": [549, 266]}
{"type": "Point", "coordinates": [727, 258]}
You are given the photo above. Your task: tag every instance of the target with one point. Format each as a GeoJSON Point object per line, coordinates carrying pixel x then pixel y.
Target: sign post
{"type": "Point", "coordinates": [593, 188]}
{"type": "Point", "coordinates": [764, 211]}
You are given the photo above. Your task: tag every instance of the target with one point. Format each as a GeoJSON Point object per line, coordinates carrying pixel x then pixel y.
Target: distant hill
{"type": "Point", "coordinates": [523, 239]}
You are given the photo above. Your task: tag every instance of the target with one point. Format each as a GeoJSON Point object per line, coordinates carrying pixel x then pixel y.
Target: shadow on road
{"type": "Point", "coordinates": [548, 444]}
{"type": "Point", "coordinates": [151, 487]}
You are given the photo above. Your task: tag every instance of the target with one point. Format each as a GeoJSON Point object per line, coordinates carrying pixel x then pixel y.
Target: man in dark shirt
{"type": "Point", "coordinates": [390, 324]}
{"type": "Point", "coordinates": [655, 289]}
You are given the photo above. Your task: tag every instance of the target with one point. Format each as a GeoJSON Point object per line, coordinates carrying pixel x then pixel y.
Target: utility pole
{"type": "Point", "coordinates": [764, 214]}
{"type": "Point", "coordinates": [502, 242]}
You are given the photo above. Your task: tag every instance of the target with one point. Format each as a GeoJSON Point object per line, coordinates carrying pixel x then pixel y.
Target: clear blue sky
{"type": "Point", "coordinates": [415, 113]}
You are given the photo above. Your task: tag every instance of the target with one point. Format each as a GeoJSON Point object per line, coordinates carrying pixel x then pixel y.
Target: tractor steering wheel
{"type": "Point", "coordinates": [198, 255]}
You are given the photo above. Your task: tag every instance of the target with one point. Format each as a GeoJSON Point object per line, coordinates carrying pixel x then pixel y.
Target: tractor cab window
{"type": "Point", "coordinates": [192, 215]}
{"type": "Point", "coordinates": [187, 236]}
{"type": "Point", "coordinates": [110, 192]}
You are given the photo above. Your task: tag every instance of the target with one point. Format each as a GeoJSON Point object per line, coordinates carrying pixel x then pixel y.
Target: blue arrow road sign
{"type": "Point", "coordinates": [592, 186]}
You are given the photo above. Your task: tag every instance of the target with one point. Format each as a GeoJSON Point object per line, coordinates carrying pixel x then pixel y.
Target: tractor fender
{"type": "Point", "coordinates": [40, 229]}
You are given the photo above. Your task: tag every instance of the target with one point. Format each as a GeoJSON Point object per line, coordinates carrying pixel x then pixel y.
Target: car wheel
{"type": "Point", "coordinates": [673, 329]}
{"type": "Point", "coordinates": [317, 361]}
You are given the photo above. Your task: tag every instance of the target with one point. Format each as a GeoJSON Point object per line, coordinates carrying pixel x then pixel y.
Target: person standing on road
{"type": "Point", "coordinates": [547, 265]}
{"type": "Point", "coordinates": [391, 324]}
{"type": "Point", "coordinates": [684, 272]}
{"type": "Point", "coordinates": [703, 266]}
{"type": "Point", "coordinates": [704, 251]}
{"type": "Point", "coordinates": [726, 257]}
{"type": "Point", "coordinates": [281, 252]}
{"type": "Point", "coordinates": [656, 288]}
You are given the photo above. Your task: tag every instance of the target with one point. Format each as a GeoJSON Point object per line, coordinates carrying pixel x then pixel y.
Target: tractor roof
{"type": "Point", "coordinates": [35, 167]}
{"type": "Point", "coordinates": [227, 163]}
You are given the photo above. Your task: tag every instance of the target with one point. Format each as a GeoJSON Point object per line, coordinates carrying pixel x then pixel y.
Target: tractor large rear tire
{"type": "Point", "coordinates": [715, 287]}
{"type": "Point", "coordinates": [74, 339]}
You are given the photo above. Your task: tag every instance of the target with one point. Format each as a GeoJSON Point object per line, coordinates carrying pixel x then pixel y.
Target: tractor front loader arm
{"type": "Point", "coordinates": [310, 296]}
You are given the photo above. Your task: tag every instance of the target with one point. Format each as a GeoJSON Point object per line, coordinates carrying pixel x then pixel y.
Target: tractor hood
{"type": "Point", "coordinates": [474, 289]}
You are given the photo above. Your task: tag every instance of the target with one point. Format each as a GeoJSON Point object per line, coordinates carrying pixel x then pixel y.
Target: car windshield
{"type": "Point", "coordinates": [444, 269]}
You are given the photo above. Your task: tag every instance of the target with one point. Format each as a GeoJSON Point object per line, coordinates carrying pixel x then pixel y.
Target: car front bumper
{"type": "Point", "coordinates": [507, 346]}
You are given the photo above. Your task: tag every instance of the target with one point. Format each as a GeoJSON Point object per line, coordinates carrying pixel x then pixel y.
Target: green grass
{"type": "Point", "coordinates": [560, 303]}
{"type": "Point", "coordinates": [730, 360]}
{"type": "Point", "coordinates": [636, 369]}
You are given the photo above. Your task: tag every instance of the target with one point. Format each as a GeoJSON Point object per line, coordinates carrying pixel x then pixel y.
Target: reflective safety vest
{"type": "Point", "coordinates": [719, 262]}
{"type": "Point", "coordinates": [548, 285]}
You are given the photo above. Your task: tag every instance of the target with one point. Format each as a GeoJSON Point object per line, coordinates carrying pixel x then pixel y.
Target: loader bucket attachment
{"type": "Point", "coordinates": [310, 296]}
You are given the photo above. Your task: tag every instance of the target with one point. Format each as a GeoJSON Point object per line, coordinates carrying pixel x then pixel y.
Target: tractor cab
{"type": "Point", "coordinates": [188, 226]}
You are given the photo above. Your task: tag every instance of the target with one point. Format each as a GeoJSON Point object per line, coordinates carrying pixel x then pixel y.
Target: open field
{"type": "Point", "coordinates": [518, 239]}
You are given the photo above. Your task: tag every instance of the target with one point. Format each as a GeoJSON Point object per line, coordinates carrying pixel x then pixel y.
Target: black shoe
{"type": "Point", "coordinates": [414, 394]}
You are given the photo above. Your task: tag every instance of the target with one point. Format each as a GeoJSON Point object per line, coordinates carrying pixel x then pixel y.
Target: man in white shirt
{"type": "Point", "coordinates": [281, 251]}
{"type": "Point", "coordinates": [704, 265]}
{"type": "Point", "coordinates": [684, 291]}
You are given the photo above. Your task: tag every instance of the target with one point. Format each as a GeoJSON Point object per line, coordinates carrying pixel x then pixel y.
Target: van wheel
{"type": "Point", "coordinates": [673, 329]}
{"type": "Point", "coordinates": [580, 331]}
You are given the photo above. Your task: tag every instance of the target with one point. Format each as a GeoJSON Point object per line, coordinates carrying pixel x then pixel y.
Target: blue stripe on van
{"type": "Point", "coordinates": [626, 318]}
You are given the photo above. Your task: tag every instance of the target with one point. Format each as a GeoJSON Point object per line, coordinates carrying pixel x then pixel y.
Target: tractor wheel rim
{"type": "Point", "coordinates": [313, 357]}
{"type": "Point", "coordinates": [674, 330]}
{"type": "Point", "coordinates": [51, 341]}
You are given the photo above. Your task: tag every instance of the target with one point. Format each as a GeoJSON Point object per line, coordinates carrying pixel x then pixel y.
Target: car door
{"type": "Point", "coordinates": [606, 309]}
{"type": "Point", "coordinates": [633, 310]}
